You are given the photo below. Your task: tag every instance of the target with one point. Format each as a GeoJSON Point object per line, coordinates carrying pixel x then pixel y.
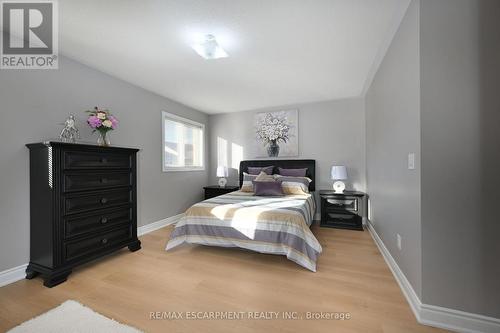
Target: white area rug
{"type": "Point", "coordinates": [72, 317]}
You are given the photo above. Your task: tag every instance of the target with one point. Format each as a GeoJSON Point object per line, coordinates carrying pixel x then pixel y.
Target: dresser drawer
{"type": "Point", "coordinates": [90, 202]}
{"type": "Point", "coordinates": [342, 220]}
{"type": "Point", "coordinates": [95, 160]}
{"type": "Point", "coordinates": [78, 225]}
{"type": "Point", "coordinates": [214, 191]}
{"type": "Point", "coordinates": [347, 203]}
{"type": "Point", "coordinates": [75, 249]}
{"type": "Point", "coordinates": [90, 181]}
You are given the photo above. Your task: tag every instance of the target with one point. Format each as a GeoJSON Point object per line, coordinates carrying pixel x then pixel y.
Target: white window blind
{"type": "Point", "coordinates": [183, 145]}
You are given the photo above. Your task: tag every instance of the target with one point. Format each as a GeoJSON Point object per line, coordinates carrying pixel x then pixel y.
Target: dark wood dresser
{"type": "Point", "coordinates": [83, 206]}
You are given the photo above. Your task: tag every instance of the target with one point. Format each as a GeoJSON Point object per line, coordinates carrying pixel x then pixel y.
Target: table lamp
{"type": "Point", "coordinates": [222, 172]}
{"type": "Point", "coordinates": [339, 173]}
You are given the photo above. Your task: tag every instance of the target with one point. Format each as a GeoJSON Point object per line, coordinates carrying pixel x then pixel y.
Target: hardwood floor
{"type": "Point", "coordinates": [352, 278]}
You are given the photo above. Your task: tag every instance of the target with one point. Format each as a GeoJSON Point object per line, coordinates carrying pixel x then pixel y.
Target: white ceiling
{"type": "Point", "coordinates": [281, 52]}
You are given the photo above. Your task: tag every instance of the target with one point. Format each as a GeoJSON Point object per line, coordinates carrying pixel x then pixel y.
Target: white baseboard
{"type": "Point", "coordinates": [456, 320]}
{"type": "Point", "coordinates": [18, 273]}
{"type": "Point", "coordinates": [12, 275]}
{"type": "Point", "coordinates": [431, 315]}
{"type": "Point", "coordinates": [158, 225]}
{"type": "Point", "coordinates": [403, 282]}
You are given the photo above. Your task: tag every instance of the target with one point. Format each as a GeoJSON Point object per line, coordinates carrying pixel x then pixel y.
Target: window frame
{"type": "Point", "coordinates": [174, 117]}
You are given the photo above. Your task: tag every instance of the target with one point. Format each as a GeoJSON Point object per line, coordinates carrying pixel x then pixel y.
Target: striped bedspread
{"type": "Point", "coordinates": [276, 225]}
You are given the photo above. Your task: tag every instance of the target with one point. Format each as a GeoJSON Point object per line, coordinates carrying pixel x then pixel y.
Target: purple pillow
{"type": "Point", "coordinates": [256, 170]}
{"type": "Point", "coordinates": [293, 172]}
{"type": "Point", "coordinates": [267, 189]}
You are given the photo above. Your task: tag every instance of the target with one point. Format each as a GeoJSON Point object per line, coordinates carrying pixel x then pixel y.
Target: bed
{"type": "Point", "coordinates": [274, 225]}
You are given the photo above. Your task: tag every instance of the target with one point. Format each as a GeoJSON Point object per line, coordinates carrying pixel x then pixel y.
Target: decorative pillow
{"type": "Point", "coordinates": [293, 172]}
{"type": "Point", "coordinates": [256, 170]}
{"type": "Point", "coordinates": [294, 185]}
{"type": "Point", "coordinates": [247, 185]}
{"type": "Point", "coordinates": [264, 177]}
{"type": "Point", "coordinates": [266, 189]}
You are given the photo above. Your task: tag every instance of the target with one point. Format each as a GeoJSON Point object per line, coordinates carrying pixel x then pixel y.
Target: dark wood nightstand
{"type": "Point", "coordinates": [342, 210]}
{"type": "Point", "coordinates": [215, 190]}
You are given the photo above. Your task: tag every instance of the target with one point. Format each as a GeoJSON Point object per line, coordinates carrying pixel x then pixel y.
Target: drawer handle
{"type": "Point", "coordinates": [104, 160]}
{"type": "Point", "coordinates": [104, 201]}
{"type": "Point", "coordinates": [104, 220]}
{"type": "Point", "coordinates": [104, 240]}
{"type": "Point", "coordinates": [104, 180]}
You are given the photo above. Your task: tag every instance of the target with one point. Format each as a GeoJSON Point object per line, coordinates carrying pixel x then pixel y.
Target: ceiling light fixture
{"type": "Point", "coordinates": [209, 48]}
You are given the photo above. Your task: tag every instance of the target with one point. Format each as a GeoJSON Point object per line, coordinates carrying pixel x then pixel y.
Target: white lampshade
{"type": "Point", "coordinates": [222, 171]}
{"type": "Point", "coordinates": [339, 172]}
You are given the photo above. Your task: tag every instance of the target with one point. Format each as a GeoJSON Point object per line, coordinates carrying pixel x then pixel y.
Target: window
{"type": "Point", "coordinates": [236, 155]}
{"type": "Point", "coordinates": [182, 143]}
{"type": "Point", "coordinates": [221, 152]}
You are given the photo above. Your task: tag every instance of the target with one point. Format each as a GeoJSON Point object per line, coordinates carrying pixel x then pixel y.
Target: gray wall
{"type": "Point", "coordinates": [437, 92]}
{"type": "Point", "coordinates": [460, 47]}
{"type": "Point", "coordinates": [393, 131]}
{"type": "Point", "coordinates": [330, 132]}
{"type": "Point", "coordinates": [32, 105]}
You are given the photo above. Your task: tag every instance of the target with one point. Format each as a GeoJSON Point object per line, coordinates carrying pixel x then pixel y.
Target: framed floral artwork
{"type": "Point", "coordinates": [276, 134]}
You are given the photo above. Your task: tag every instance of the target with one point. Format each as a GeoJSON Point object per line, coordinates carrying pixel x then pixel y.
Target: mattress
{"type": "Point", "coordinates": [275, 225]}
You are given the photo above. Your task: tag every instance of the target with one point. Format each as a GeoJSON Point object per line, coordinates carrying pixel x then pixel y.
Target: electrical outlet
{"type": "Point", "coordinates": [398, 239]}
{"type": "Point", "coordinates": [411, 161]}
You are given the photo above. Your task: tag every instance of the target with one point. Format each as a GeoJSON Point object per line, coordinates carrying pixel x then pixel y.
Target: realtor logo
{"type": "Point", "coordinates": [29, 35]}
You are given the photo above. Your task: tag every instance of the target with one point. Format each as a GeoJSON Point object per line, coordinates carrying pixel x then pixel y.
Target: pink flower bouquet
{"type": "Point", "coordinates": [102, 121]}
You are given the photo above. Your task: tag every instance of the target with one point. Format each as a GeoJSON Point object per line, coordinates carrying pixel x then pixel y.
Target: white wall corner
{"type": "Point", "coordinates": [404, 284]}
{"type": "Point", "coordinates": [384, 47]}
{"type": "Point", "coordinates": [12, 275]}
{"type": "Point", "coordinates": [145, 229]}
{"type": "Point", "coordinates": [431, 315]}
{"type": "Point", "coordinates": [456, 320]}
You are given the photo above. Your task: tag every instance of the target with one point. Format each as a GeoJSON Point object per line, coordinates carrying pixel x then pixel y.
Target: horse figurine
{"type": "Point", "coordinates": [69, 133]}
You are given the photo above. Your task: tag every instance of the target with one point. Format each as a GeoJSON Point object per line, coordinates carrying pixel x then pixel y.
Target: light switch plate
{"type": "Point", "coordinates": [398, 239]}
{"type": "Point", "coordinates": [411, 161]}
